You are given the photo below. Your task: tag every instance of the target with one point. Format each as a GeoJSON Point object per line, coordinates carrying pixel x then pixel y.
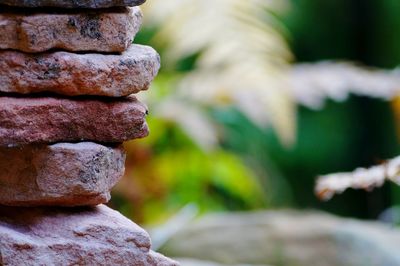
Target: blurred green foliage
{"type": "Point", "coordinates": [251, 169]}
{"type": "Point", "coordinates": [361, 131]}
{"type": "Point", "coordinates": [358, 30]}
{"type": "Point", "coordinates": [173, 171]}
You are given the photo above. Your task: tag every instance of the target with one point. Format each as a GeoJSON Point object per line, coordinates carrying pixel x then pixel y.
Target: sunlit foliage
{"type": "Point", "coordinates": [215, 54]}
{"type": "Point", "coordinates": [239, 58]}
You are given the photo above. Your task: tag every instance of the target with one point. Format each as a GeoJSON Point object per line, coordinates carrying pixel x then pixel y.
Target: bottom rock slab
{"type": "Point", "coordinates": [63, 174]}
{"type": "Point", "coordinates": [82, 236]}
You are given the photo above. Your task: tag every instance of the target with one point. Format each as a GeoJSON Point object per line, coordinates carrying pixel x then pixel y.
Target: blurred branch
{"type": "Point", "coordinates": [362, 178]}
{"type": "Point", "coordinates": [312, 84]}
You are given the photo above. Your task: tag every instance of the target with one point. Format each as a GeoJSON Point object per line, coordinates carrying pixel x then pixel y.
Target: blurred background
{"type": "Point", "coordinates": [254, 100]}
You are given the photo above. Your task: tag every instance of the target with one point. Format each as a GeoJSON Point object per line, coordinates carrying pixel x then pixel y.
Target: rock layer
{"type": "Point", "coordinates": [79, 74]}
{"type": "Point", "coordinates": [49, 119]}
{"type": "Point", "coordinates": [62, 174]}
{"type": "Point", "coordinates": [101, 31]}
{"type": "Point", "coordinates": [82, 236]}
{"type": "Point", "coordinates": [72, 4]}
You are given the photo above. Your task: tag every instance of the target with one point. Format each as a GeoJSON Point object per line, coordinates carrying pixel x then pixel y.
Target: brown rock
{"type": "Point", "coordinates": [49, 120]}
{"type": "Point", "coordinates": [79, 74]}
{"type": "Point", "coordinates": [72, 4]}
{"type": "Point", "coordinates": [82, 236]}
{"type": "Point", "coordinates": [62, 174]}
{"type": "Point", "coordinates": [102, 31]}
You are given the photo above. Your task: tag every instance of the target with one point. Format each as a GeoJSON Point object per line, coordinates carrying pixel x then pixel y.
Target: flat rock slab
{"type": "Point", "coordinates": [49, 120]}
{"type": "Point", "coordinates": [80, 236]}
{"type": "Point", "coordinates": [101, 31]}
{"type": "Point", "coordinates": [62, 174]}
{"type": "Point", "coordinates": [72, 4]}
{"type": "Point", "coordinates": [79, 74]}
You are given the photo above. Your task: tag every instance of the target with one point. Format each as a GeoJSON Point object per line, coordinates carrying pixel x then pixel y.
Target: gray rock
{"type": "Point", "coordinates": [48, 120]}
{"type": "Point", "coordinates": [72, 3]}
{"type": "Point", "coordinates": [100, 31]}
{"type": "Point", "coordinates": [194, 262]}
{"type": "Point", "coordinates": [79, 74]}
{"type": "Point", "coordinates": [62, 174]}
{"type": "Point", "coordinates": [287, 238]}
{"type": "Point", "coordinates": [79, 236]}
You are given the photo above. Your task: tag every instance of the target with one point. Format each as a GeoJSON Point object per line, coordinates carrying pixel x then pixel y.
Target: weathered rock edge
{"type": "Point", "coordinates": [50, 120]}
{"type": "Point", "coordinates": [79, 74]}
{"type": "Point", "coordinates": [72, 4]}
{"type": "Point", "coordinates": [101, 31]}
{"type": "Point", "coordinates": [79, 236]}
{"type": "Point", "coordinates": [63, 174]}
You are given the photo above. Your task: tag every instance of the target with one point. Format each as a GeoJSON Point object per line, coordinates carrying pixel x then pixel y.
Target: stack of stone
{"type": "Point", "coordinates": [68, 70]}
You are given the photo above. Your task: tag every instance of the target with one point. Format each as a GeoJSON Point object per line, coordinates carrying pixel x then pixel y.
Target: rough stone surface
{"type": "Point", "coordinates": [81, 236]}
{"type": "Point", "coordinates": [286, 238]}
{"type": "Point", "coordinates": [79, 74]}
{"type": "Point", "coordinates": [62, 174]}
{"type": "Point", "coordinates": [49, 120]}
{"type": "Point", "coordinates": [72, 4]}
{"type": "Point", "coordinates": [101, 31]}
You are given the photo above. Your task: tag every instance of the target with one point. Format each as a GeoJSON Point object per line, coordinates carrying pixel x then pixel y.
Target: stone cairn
{"type": "Point", "coordinates": [68, 72]}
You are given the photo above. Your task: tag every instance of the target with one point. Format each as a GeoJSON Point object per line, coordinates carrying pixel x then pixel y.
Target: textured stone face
{"type": "Point", "coordinates": [79, 74]}
{"type": "Point", "coordinates": [81, 236]}
{"type": "Point", "coordinates": [72, 3]}
{"type": "Point", "coordinates": [62, 174]}
{"type": "Point", "coordinates": [101, 31]}
{"type": "Point", "coordinates": [50, 120]}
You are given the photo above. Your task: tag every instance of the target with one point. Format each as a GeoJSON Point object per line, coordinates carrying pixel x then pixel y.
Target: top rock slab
{"type": "Point", "coordinates": [72, 3]}
{"type": "Point", "coordinates": [94, 30]}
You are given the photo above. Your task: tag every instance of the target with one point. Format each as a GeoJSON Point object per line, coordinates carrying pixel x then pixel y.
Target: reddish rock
{"type": "Point", "coordinates": [49, 120]}
{"type": "Point", "coordinates": [80, 236]}
{"type": "Point", "coordinates": [62, 174]}
{"type": "Point", "coordinates": [72, 4]}
{"type": "Point", "coordinates": [79, 74]}
{"type": "Point", "coordinates": [103, 31]}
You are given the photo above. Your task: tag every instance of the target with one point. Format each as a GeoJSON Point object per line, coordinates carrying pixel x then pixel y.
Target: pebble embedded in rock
{"type": "Point", "coordinates": [31, 120]}
{"type": "Point", "coordinates": [38, 31]}
{"type": "Point", "coordinates": [79, 74]}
